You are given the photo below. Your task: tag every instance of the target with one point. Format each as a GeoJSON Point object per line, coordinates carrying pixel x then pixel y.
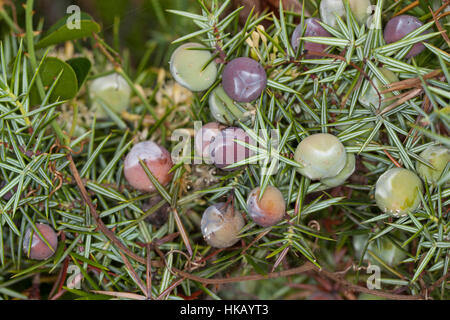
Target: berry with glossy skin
{"type": "Point", "coordinates": [397, 191]}
{"type": "Point", "coordinates": [400, 26]}
{"type": "Point", "coordinates": [112, 90]}
{"type": "Point", "coordinates": [204, 137]}
{"type": "Point", "coordinates": [322, 155]}
{"type": "Point", "coordinates": [370, 97]}
{"type": "Point", "coordinates": [226, 151]}
{"type": "Point", "coordinates": [329, 9]}
{"type": "Point", "coordinates": [39, 250]}
{"type": "Point", "coordinates": [158, 161]}
{"type": "Point", "coordinates": [438, 157]}
{"type": "Point", "coordinates": [385, 250]}
{"type": "Point", "coordinates": [344, 174]}
{"type": "Point", "coordinates": [223, 108]}
{"type": "Point", "coordinates": [244, 79]}
{"type": "Point", "coordinates": [221, 224]}
{"type": "Point", "coordinates": [267, 210]}
{"type": "Point", "coordinates": [187, 67]}
{"type": "Point", "coordinates": [313, 29]}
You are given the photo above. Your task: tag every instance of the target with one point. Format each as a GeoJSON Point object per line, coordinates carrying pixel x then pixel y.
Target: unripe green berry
{"type": "Point", "coordinates": [322, 155]}
{"type": "Point", "coordinates": [112, 90]}
{"type": "Point", "coordinates": [397, 191]}
{"type": "Point", "coordinates": [193, 67]}
{"type": "Point", "coordinates": [344, 174]}
{"type": "Point", "coordinates": [386, 250]}
{"type": "Point", "coordinates": [223, 108]}
{"type": "Point", "coordinates": [438, 157]}
{"type": "Point", "coordinates": [370, 96]}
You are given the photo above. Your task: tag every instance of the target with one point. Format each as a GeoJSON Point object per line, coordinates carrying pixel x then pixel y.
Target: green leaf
{"type": "Point", "coordinates": [67, 86]}
{"type": "Point", "coordinates": [60, 31]}
{"type": "Point", "coordinates": [81, 66]}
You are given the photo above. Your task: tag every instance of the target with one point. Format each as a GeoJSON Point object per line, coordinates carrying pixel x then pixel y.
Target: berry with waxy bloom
{"type": "Point", "coordinates": [399, 27]}
{"type": "Point", "coordinates": [322, 155]}
{"type": "Point", "coordinates": [223, 108]}
{"type": "Point", "coordinates": [344, 174]}
{"type": "Point", "coordinates": [313, 29]}
{"type": "Point", "coordinates": [221, 224]}
{"type": "Point", "coordinates": [386, 250]}
{"type": "Point", "coordinates": [35, 247]}
{"type": "Point", "coordinates": [225, 150]}
{"type": "Point", "coordinates": [158, 161]}
{"type": "Point", "coordinates": [204, 137]}
{"type": "Point", "coordinates": [193, 67]}
{"type": "Point", "coordinates": [371, 97]}
{"type": "Point", "coordinates": [267, 210]}
{"type": "Point", "coordinates": [244, 79]}
{"type": "Point", "coordinates": [438, 157]}
{"type": "Point", "coordinates": [329, 9]}
{"type": "Point", "coordinates": [397, 191]}
{"type": "Point", "coordinates": [112, 90]}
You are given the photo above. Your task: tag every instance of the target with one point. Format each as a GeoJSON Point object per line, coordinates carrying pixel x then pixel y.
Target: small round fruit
{"type": "Point", "coordinates": [244, 79]}
{"type": "Point", "coordinates": [438, 157]}
{"type": "Point", "coordinates": [204, 137]}
{"type": "Point", "coordinates": [399, 27]}
{"type": "Point", "coordinates": [187, 66]}
{"type": "Point", "coordinates": [267, 210]}
{"type": "Point", "coordinates": [329, 9]}
{"type": "Point", "coordinates": [313, 29]}
{"type": "Point", "coordinates": [221, 224]}
{"type": "Point", "coordinates": [370, 96]}
{"type": "Point", "coordinates": [112, 90]}
{"type": "Point", "coordinates": [158, 161]}
{"type": "Point", "coordinates": [397, 191]}
{"type": "Point", "coordinates": [361, 9]}
{"type": "Point", "coordinates": [223, 108]}
{"type": "Point", "coordinates": [322, 155]}
{"type": "Point", "coordinates": [39, 250]}
{"type": "Point", "coordinates": [344, 174]}
{"type": "Point", "coordinates": [225, 150]}
{"type": "Point", "coordinates": [385, 249]}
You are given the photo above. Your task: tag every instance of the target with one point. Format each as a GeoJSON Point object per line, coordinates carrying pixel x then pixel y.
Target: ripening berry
{"type": "Point", "coordinates": [322, 155]}
{"type": "Point", "coordinates": [313, 29]}
{"type": "Point", "coordinates": [438, 157]}
{"type": "Point", "coordinates": [397, 191]}
{"type": "Point", "coordinates": [370, 96]}
{"type": "Point", "coordinates": [223, 108]}
{"type": "Point", "coordinates": [112, 90]}
{"type": "Point", "coordinates": [225, 151]}
{"type": "Point", "coordinates": [244, 79]}
{"type": "Point", "coordinates": [158, 161]}
{"type": "Point", "coordinates": [399, 27]}
{"type": "Point", "coordinates": [267, 210]}
{"type": "Point", "coordinates": [221, 224]}
{"type": "Point", "coordinates": [187, 66]}
{"type": "Point", "coordinates": [204, 137]}
{"type": "Point", "coordinates": [39, 250]}
{"type": "Point", "coordinates": [344, 174]}
{"type": "Point", "coordinates": [329, 9]}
